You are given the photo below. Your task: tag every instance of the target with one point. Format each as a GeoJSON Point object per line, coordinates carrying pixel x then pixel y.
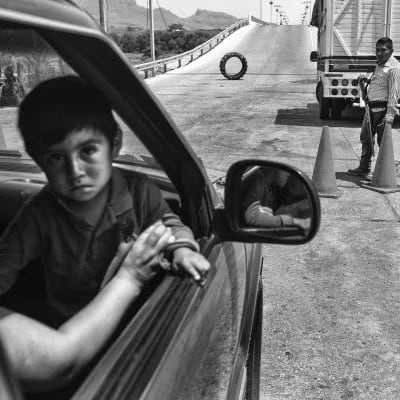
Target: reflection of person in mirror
{"type": "Point", "coordinates": [273, 198]}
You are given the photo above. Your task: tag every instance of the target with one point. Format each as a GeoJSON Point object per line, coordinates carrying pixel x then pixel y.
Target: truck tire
{"type": "Point", "coordinates": [324, 103]}
{"type": "Point", "coordinates": [337, 108]}
{"type": "Point", "coordinates": [224, 60]}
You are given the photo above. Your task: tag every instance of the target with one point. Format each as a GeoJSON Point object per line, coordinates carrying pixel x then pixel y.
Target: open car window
{"type": "Point", "coordinates": [25, 61]}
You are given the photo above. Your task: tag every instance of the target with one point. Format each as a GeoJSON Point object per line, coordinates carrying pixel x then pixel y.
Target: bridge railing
{"type": "Point", "coordinates": [161, 66]}
{"type": "Point", "coordinates": [167, 64]}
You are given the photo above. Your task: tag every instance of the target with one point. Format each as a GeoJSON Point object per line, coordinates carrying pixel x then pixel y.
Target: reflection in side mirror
{"type": "Point", "coordinates": [314, 56]}
{"type": "Point", "coordinates": [274, 198]}
{"type": "Point", "coordinates": [269, 202]}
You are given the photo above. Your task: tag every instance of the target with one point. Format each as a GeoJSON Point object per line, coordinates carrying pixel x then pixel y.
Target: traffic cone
{"type": "Point", "coordinates": [3, 145]}
{"type": "Point", "coordinates": [384, 176]}
{"type": "Point", "coordinates": [324, 172]}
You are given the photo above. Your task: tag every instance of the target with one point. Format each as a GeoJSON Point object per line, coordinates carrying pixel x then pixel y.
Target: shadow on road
{"type": "Point", "coordinates": [309, 116]}
{"type": "Point", "coordinates": [350, 178]}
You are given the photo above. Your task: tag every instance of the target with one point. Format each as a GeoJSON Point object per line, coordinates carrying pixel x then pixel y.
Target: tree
{"type": "Point", "coordinates": [175, 28]}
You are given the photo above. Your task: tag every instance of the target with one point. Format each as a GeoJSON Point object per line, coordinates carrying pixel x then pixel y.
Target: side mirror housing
{"type": "Point", "coordinates": [314, 56]}
{"type": "Point", "coordinates": [269, 202]}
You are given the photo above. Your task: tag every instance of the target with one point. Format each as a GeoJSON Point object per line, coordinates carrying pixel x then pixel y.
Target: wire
{"type": "Point", "coordinates": [162, 15]}
{"type": "Point", "coordinates": [147, 25]}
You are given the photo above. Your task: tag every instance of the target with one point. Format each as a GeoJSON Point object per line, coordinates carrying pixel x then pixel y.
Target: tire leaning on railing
{"type": "Point", "coordinates": [224, 60]}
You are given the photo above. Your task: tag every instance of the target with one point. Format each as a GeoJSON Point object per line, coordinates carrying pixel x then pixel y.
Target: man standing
{"type": "Point", "coordinates": [383, 95]}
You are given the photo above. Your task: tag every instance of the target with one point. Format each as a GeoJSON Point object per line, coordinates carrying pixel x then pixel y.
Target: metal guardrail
{"type": "Point", "coordinates": [167, 64]}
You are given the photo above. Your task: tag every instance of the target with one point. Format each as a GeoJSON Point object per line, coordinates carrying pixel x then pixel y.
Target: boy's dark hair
{"type": "Point", "coordinates": [59, 106]}
{"type": "Point", "coordinates": [385, 41]}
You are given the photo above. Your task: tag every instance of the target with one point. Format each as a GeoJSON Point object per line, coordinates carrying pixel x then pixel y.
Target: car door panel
{"type": "Point", "coordinates": [198, 363]}
{"type": "Point", "coordinates": [175, 337]}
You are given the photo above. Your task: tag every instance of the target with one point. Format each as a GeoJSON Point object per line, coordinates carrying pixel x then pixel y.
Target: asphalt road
{"type": "Point", "coordinates": [331, 307]}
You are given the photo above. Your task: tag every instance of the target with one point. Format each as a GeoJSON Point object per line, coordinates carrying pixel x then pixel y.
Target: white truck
{"type": "Point", "coordinates": [347, 34]}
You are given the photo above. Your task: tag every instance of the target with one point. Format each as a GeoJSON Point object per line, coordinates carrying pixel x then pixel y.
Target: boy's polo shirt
{"type": "Point", "coordinates": [74, 253]}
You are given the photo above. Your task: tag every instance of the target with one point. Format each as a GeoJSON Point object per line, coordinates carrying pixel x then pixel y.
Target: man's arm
{"type": "Point", "coordinates": [393, 96]}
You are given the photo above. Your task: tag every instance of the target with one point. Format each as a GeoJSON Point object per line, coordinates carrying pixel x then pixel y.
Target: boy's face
{"type": "Point", "coordinates": [79, 167]}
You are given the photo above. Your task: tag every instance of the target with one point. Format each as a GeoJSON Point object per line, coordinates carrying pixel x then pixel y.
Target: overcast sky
{"type": "Point", "coordinates": [238, 8]}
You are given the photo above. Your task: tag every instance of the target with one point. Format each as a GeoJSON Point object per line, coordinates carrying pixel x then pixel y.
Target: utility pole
{"type": "Point", "coordinates": [277, 12]}
{"type": "Point", "coordinates": [152, 50]}
{"type": "Point", "coordinates": [103, 11]}
{"type": "Point", "coordinates": [308, 9]}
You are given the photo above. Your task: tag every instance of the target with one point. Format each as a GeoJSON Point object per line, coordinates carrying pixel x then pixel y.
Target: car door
{"type": "Point", "coordinates": [182, 343]}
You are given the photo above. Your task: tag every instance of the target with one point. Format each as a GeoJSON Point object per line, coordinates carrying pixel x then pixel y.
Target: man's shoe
{"type": "Point", "coordinates": [359, 171]}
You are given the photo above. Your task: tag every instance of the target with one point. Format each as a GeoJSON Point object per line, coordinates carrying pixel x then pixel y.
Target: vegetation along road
{"type": "Point", "coordinates": [331, 307]}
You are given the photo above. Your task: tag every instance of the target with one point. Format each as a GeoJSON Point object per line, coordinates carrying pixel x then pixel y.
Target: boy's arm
{"type": "Point", "coordinates": [45, 358]}
{"type": "Point", "coordinates": [158, 209]}
{"type": "Point", "coordinates": [185, 255]}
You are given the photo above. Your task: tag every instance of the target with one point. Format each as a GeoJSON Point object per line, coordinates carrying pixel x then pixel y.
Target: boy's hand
{"type": "Point", "coordinates": [191, 262]}
{"type": "Point", "coordinates": [142, 259]}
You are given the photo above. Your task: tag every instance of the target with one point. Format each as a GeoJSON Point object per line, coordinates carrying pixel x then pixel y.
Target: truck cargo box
{"type": "Point", "coordinates": [347, 35]}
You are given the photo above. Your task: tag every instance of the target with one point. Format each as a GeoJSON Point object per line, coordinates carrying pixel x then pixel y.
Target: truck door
{"type": "Point", "coordinates": [357, 24]}
{"type": "Point", "coordinates": [393, 26]}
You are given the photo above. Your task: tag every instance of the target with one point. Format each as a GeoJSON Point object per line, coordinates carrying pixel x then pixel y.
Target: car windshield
{"type": "Point", "coordinates": [25, 61]}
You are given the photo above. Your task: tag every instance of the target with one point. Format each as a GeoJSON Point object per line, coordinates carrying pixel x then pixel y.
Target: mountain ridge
{"type": "Point", "coordinates": [124, 13]}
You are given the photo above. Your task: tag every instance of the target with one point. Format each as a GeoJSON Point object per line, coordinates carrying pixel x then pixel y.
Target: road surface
{"type": "Point", "coordinates": [331, 307]}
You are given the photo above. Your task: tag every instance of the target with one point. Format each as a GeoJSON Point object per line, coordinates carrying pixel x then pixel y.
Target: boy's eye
{"type": "Point", "coordinates": [54, 159]}
{"type": "Point", "coordinates": [89, 150]}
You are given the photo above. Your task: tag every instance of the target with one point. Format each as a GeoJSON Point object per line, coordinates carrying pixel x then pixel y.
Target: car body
{"type": "Point", "coordinates": [179, 341]}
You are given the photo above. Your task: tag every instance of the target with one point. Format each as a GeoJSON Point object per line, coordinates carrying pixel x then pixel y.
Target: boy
{"type": "Point", "coordinates": [76, 222]}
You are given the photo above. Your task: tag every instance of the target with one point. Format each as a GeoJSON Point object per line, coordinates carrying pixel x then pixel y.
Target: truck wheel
{"type": "Point", "coordinates": [324, 103]}
{"type": "Point", "coordinates": [337, 108]}
{"type": "Point", "coordinates": [225, 58]}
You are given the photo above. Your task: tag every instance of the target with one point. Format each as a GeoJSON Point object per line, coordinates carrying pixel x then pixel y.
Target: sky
{"type": "Point", "coordinates": [238, 8]}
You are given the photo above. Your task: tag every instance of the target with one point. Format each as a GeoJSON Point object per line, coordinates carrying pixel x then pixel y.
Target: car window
{"type": "Point", "coordinates": [25, 61]}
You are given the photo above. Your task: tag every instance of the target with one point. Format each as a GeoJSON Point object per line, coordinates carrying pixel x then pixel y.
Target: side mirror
{"type": "Point", "coordinates": [314, 56]}
{"type": "Point", "coordinates": [271, 202]}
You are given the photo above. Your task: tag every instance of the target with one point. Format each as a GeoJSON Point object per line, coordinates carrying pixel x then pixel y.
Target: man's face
{"type": "Point", "coordinates": [383, 53]}
{"type": "Point", "coordinates": [79, 167]}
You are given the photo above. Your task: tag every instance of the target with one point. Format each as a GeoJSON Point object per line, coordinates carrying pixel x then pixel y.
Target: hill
{"type": "Point", "coordinates": [122, 13]}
